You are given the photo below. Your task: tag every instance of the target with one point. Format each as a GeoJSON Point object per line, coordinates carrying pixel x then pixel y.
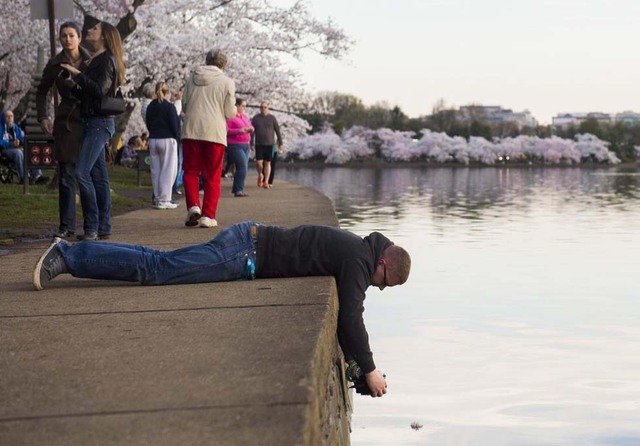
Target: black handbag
{"type": "Point", "coordinates": [113, 105]}
{"type": "Point", "coordinates": [110, 106]}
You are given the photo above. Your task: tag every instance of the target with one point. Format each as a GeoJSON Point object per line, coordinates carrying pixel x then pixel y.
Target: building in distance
{"type": "Point", "coordinates": [565, 120]}
{"type": "Point", "coordinates": [495, 115]}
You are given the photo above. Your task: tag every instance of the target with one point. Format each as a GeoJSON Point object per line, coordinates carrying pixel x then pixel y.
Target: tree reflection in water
{"type": "Point", "coordinates": [519, 322]}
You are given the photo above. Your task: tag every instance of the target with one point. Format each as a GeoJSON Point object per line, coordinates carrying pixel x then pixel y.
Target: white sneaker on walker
{"type": "Point", "coordinates": [166, 205]}
{"type": "Point", "coordinates": [206, 222]}
{"type": "Point", "coordinates": [193, 215]}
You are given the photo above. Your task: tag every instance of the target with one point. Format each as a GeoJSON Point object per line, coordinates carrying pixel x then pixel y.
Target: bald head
{"type": "Point", "coordinates": [8, 117]}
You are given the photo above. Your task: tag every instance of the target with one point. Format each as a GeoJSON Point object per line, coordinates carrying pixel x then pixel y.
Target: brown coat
{"type": "Point", "coordinates": [67, 126]}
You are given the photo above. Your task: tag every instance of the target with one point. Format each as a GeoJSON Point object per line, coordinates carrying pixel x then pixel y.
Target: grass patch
{"type": "Point", "coordinates": [37, 212]}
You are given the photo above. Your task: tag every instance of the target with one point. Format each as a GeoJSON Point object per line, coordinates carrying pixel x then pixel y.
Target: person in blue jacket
{"type": "Point", "coordinates": [12, 146]}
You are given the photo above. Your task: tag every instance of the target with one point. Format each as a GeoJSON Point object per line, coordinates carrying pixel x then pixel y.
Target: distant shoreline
{"type": "Point", "coordinates": [385, 163]}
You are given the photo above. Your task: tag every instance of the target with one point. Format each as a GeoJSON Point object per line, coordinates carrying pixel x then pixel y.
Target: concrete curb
{"type": "Point", "coordinates": [237, 363]}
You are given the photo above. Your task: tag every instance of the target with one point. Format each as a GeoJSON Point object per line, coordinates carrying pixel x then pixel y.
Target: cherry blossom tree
{"type": "Point", "coordinates": [592, 148]}
{"type": "Point", "coordinates": [166, 39]}
{"type": "Point", "coordinates": [441, 148]}
{"type": "Point", "coordinates": [396, 145]}
{"type": "Point", "coordinates": [20, 38]}
{"type": "Point", "coordinates": [482, 151]}
{"type": "Point", "coordinates": [359, 141]}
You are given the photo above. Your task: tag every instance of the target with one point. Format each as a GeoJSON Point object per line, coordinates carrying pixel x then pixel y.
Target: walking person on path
{"type": "Point", "coordinates": [275, 153]}
{"type": "Point", "coordinates": [104, 74]}
{"type": "Point", "coordinates": [239, 130]}
{"type": "Point", "coordinates": [67, 125]}
{"type": "Point", "coordinates": [164, 133]}
{"type": "Point", "coordinates": [208, 100]}
{"type": "Point", "coordinates": [266, 126]}
{"type": "Point", "coordinates": [246, 251]}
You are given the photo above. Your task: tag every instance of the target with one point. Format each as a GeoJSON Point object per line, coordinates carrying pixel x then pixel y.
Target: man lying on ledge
{"type": "Point", "coordinates": [246, 251]}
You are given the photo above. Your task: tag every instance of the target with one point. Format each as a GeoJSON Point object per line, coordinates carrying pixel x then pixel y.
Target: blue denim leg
{"type": "Point", "coordinates": [17, 157]}
{"type": "Point", "coordinates": [223, 258]}
{"type": "Point", "coordinates": [67, 196]}
{"type": "Point", "coordinates": [100, 178]}
{"type": "Point", "coordinates": [94, 184]}
{"type": "Point", "coordinates": [239, 155]}
{"type": "Point", "coordinates": [178, 181]}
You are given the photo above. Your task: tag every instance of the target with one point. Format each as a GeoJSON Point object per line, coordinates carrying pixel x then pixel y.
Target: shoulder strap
{"type": "Point", "coordinates": [115, 80]}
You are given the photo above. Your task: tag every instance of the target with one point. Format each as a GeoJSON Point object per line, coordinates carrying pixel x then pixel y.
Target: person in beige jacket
{"type": "Point", "coordinates": [208, 101]}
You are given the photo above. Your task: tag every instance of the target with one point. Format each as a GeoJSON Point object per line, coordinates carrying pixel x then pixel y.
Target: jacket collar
{"type": "Point", "coordinates": [62, 58]}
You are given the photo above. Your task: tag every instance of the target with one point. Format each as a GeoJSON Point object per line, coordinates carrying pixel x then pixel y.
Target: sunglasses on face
{"type": "Point", "coordinates": [386, 283]}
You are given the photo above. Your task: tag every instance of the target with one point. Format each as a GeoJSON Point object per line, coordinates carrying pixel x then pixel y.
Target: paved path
{"type": "Point", "coordinates": [237, 363]}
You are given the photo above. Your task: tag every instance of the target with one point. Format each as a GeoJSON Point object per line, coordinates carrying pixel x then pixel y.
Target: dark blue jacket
{"type": "Point", "coordinates": [162, 120]}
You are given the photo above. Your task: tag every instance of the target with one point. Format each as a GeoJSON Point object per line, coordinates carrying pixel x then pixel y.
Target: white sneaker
{"type": "Point", "coordinates": [193, 215]}
{"type": "Point", "coordinates": [206, 222]}
{"type": "Point", "coordinates": [166, 205]}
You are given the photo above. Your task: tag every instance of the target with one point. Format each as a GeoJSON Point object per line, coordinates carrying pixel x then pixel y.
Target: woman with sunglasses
{"type": "Point", "coordinates": [104, 74]}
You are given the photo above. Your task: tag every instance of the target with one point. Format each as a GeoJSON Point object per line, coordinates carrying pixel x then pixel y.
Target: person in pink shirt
{"type": "Point", "coordinates": [239, 131]}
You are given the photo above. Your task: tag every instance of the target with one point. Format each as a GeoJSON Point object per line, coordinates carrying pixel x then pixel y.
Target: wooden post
{"type": "Point", "coordinates": [52, 40]}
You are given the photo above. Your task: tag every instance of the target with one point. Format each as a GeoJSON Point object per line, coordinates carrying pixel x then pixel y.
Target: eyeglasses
{"type": "Point", "coordinates": [263, 106]}
{"type": "Point", "coordinates": [386, 283]}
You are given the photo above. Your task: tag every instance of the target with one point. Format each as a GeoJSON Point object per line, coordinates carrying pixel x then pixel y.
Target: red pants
{"type": "Point", "coordinates": [202, 157]}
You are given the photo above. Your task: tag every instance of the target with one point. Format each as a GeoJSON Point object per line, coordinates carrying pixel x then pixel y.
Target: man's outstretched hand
{"type": "Point", "coordinates": [376, 383]}
{"type": "Point", "coordinates": [372, 383]}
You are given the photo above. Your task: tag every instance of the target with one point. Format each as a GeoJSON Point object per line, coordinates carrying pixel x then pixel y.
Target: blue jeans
{"type": "Point", "coordinates": [178, 182]}
{"type": "Point", "coordinates": [67, 196]}
{"type": "Point", "coordinates": [17, 156]}
{"type": "Point", "coordinates": [92, 175]}
{"type": "Point", "coordinates": [223, 258]}
{"type": "Point", "coordinates": [238, 154]}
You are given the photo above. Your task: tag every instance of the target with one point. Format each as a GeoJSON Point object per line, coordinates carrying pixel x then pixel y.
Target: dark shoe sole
{"type": "Point", "coordinates": [92, 237]}
{"type": "Point", "coordinates": [37, 284]}
{"type": "Point", "coordinates": [64, 234]}
{"type": "Point", "coordinates": [193, 220]}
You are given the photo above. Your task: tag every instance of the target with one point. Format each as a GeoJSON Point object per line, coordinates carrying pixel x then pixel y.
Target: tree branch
{"type": "Point", "coordinates": [80, 7]}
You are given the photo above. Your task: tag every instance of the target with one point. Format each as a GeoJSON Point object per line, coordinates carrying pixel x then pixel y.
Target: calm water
{"type": "Point", "coordinates": [520, 323]}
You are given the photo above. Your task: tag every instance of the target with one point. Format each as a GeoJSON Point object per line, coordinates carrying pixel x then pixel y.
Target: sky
{"type": "Point", "coordinates": [546, 56]}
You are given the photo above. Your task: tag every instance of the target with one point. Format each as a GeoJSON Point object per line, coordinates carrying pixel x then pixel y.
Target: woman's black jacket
{"type": "Point", "coordinates": [98, 80]}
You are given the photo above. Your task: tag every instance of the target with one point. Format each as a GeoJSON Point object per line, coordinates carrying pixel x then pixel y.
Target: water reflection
{"type": "Point", "coordinates": [464, 192]}
{"type": "Point", "coordinates": [519, 324]}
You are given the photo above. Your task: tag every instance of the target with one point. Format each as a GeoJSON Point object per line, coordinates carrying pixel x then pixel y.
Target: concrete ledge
{"type": "Point", "coordinates": [329, 409]}
{"type": "Point", "coordinates": [236, 363]}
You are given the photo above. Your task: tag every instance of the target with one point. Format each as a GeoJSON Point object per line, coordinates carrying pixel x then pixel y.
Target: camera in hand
{"type": "Point", "coordinates": [357, 377]}
{"type": "Point", "coordinates": [361, 386]}
{"type": "Point", "coordinates": [64, 74]}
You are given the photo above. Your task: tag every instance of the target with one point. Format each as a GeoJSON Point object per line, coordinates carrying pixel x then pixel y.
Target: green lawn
{"type": "Point", "coordinates": [37, 211]}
